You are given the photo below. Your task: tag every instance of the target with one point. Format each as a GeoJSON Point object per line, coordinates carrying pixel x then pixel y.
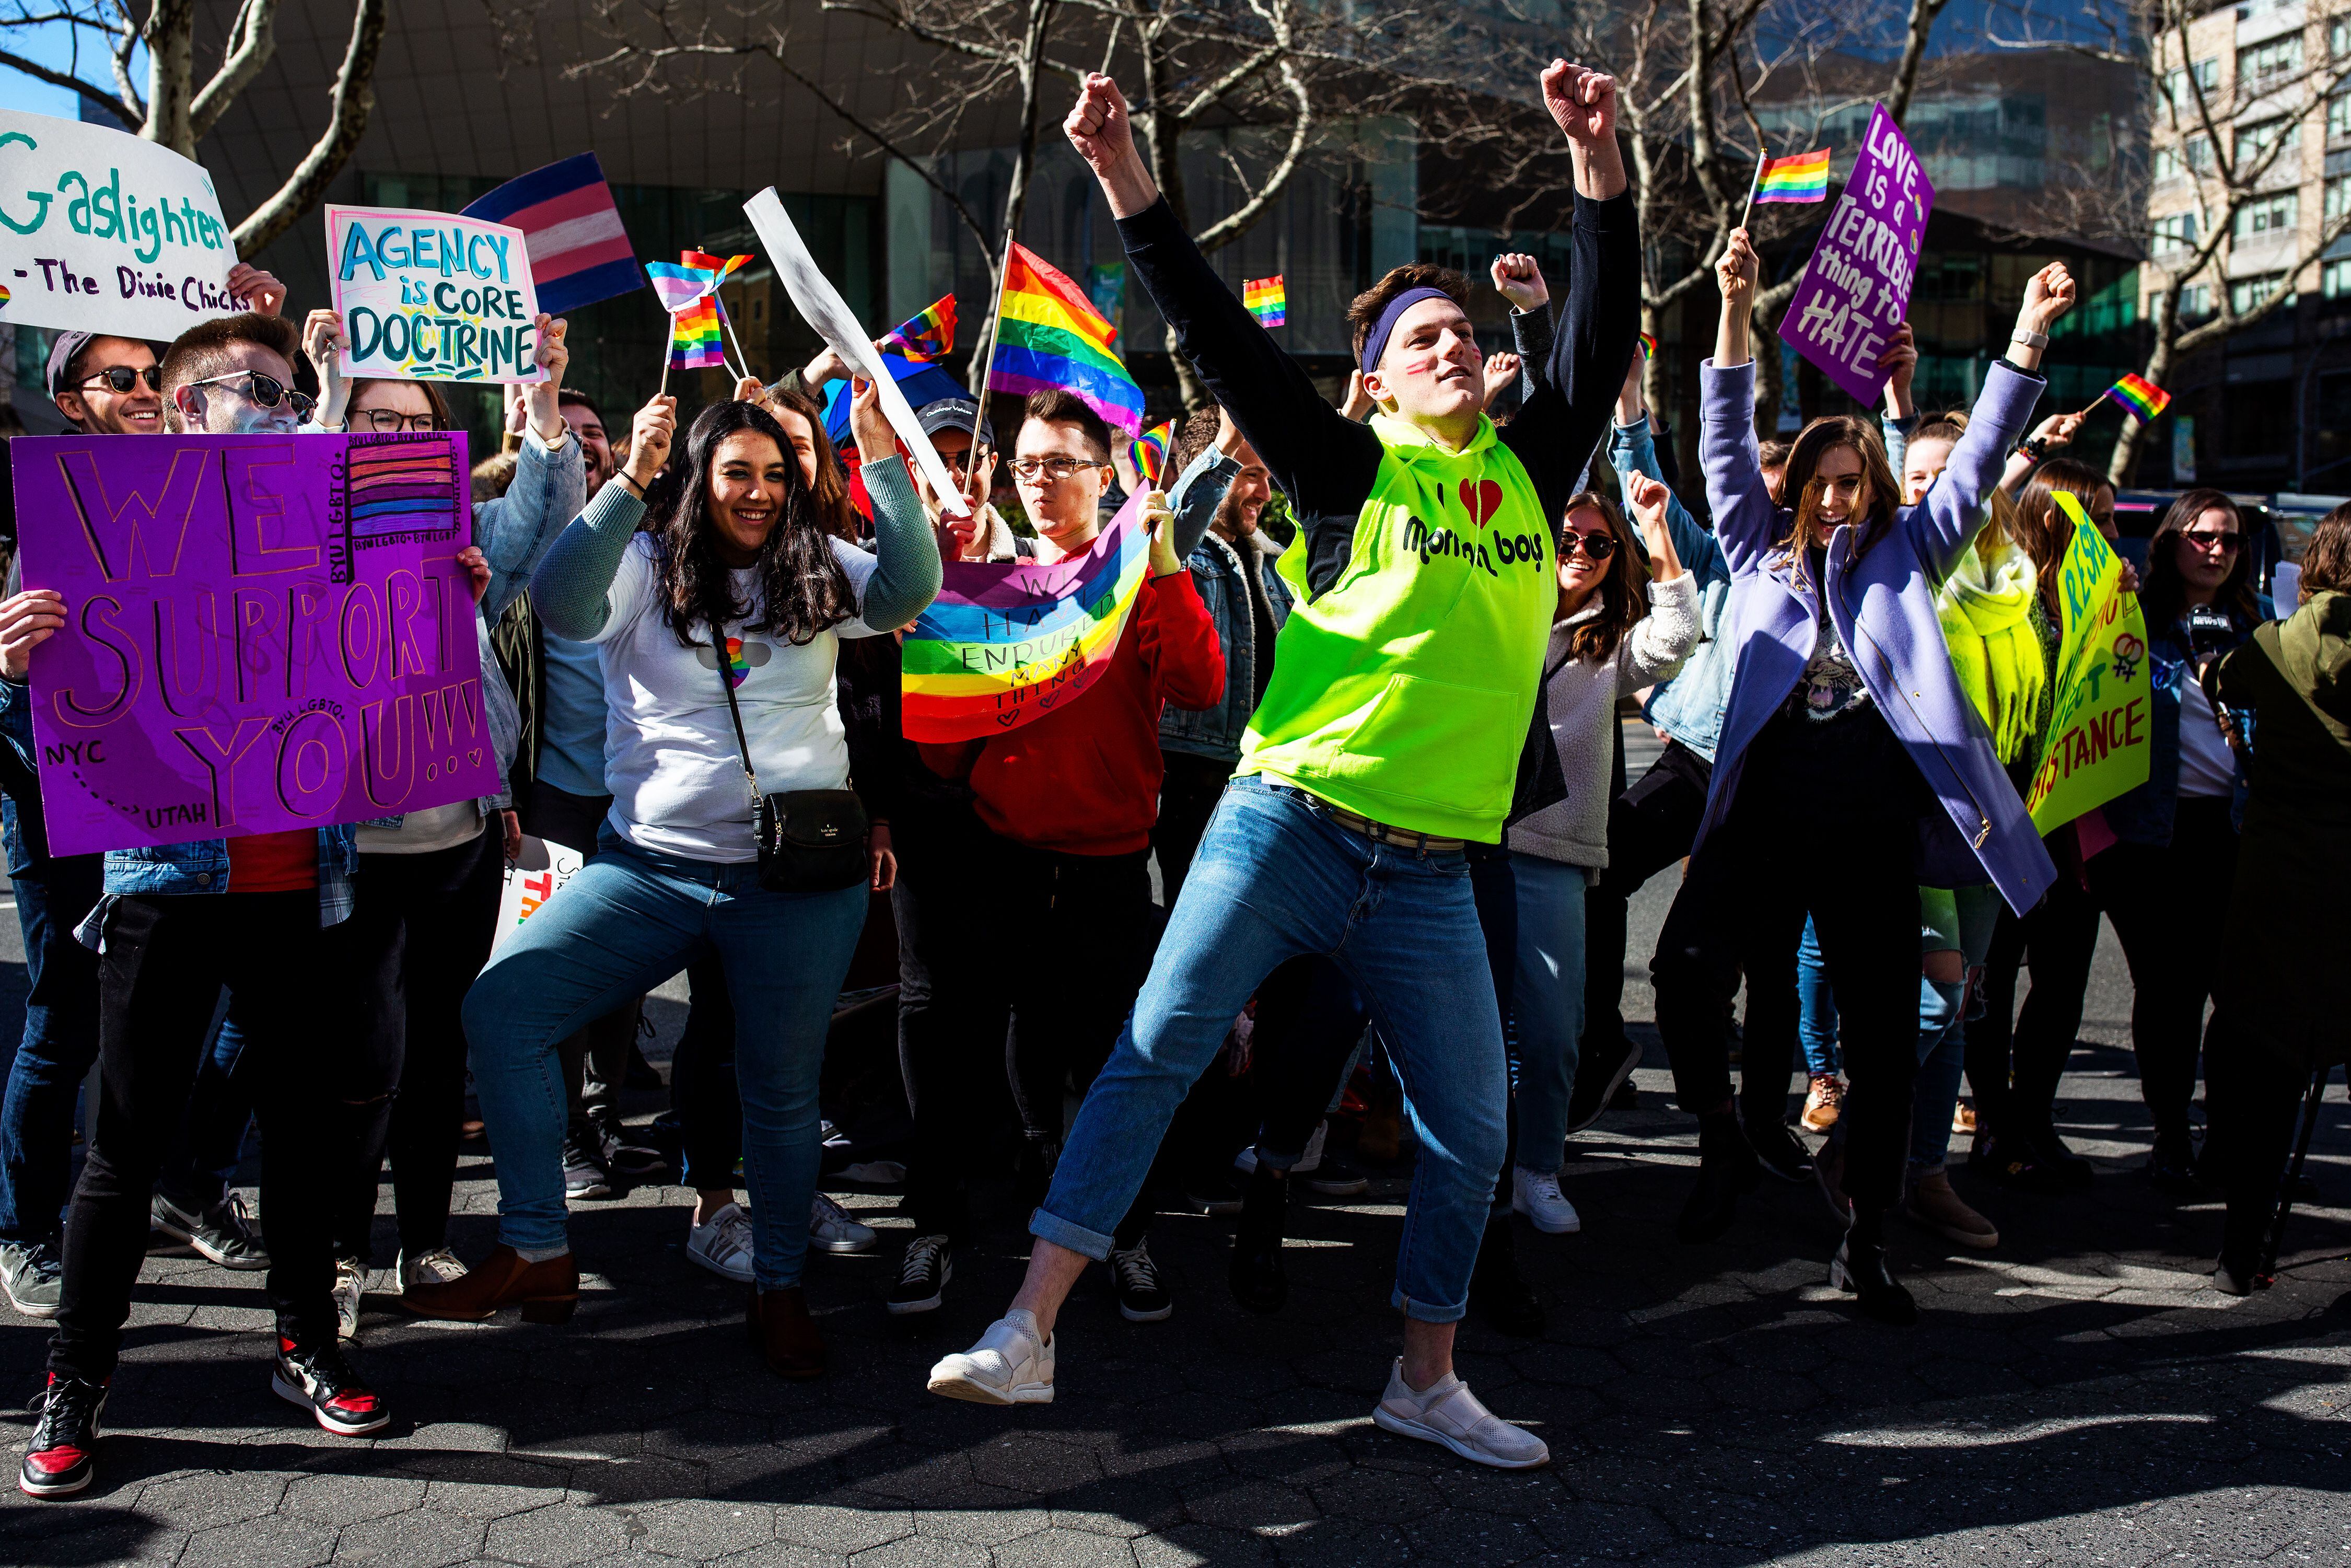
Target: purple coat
{"type": "Point", "coordinates": [1884, 606]}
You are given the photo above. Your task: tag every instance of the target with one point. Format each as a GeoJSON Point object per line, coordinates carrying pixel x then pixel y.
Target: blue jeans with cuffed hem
{"type": "Point", "coordinates": [1816, 1011]}
{"type": "Point", "coordinates": [1547, 1003]}
{"type": "Point", "coordinates": [1276, 877]}
{"type": "Point", "coordinates": [1967, 919]}
{"type": "Point", "coordinates": [627, 922]}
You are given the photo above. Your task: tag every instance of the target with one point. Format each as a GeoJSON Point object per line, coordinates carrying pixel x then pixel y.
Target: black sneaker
{"type": "Point", "coordinates": [641, 1075]}
{"type": "Point", "coordinates": [1324, 1173]}
{"type": "Point", "coordinates": [2067, 1170]}
{"type": "Point", "coordinates": [2171, 1166]}
{"type": "Point", "coordinates": [923, 1277]}
{"type": "Point", "coordinates": [223, 1232]}
{"type": "Point", "coordinates": [1597, 1079]}
{"type": "Point", "coordinates": [321, 1378]}
{"type": "Point", "coordinates": [628, 1153]}
{"type": "Point", "coordinates": [1214, 1192]}
{"type": "Point", "coordinates": [1142, 1298]}
{"type": "Point", "coordinates": [585, 1174]}
{"type": "Point", "coordinates": [63, 1455]}
{"type": "Point", "coordinates": [1781, 1152]}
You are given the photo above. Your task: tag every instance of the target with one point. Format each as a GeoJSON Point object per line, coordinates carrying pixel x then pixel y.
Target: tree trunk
{"type": "Point", "coordinates": [2158, 368]}
{"type": "Point", "coordinates": [1016, 194]}
{"type": "Point", "coordinates": [353, 102]}
{"type": "Point", "coordinates": [170, 34]}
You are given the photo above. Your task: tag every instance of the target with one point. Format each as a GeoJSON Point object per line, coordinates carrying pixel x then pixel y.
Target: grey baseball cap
{"type": "Point", "coordinates": [61, 353]}
{"type": "Point", "coordinates": [954, 414]}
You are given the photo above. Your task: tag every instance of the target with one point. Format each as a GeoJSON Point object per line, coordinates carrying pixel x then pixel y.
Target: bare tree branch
{"type": "Point", "coordinates": [251, 42]}
{"type": "Point", "coordinates": [352, 102]}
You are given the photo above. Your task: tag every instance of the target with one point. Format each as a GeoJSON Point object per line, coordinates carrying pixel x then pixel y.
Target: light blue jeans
{"type": "Point", "coordinates": [1816, 1013]}
{"type": "Point", "coordinates": [627, 922]}
{"type": "Point", "coordinates": [1276, 877]}
{"type": "Point", "coordinates": [1547, 1003]}
{"type": "Point", "coordinates": [1962, 920]}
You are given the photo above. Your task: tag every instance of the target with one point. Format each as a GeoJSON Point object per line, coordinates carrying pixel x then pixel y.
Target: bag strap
{"type": "Point", "coordinates": [742, 742]}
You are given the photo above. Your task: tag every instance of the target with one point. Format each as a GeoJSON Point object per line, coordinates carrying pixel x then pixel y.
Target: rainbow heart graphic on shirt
{"type": "Point", "coordinates": [741, 659]}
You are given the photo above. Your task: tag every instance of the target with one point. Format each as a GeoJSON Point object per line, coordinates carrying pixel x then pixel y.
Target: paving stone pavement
{"type": "Point", "coordinates": [2078, 1395]}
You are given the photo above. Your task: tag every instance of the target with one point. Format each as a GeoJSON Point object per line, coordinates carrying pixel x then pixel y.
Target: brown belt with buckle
{"type": "Point", "coordinates": [1381, 833]}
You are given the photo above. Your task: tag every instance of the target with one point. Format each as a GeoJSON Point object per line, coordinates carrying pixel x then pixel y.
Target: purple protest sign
{"type": "Point", "coordinates": [1857, 289]}
{"type": "Point", "coordinates": [262, 632]}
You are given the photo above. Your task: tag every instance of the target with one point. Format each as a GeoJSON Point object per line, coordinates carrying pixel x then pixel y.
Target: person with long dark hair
{"type": "Point", "coordinates": [1843, 703]}
{"type": "Point", "coordinates": [718, 629]}
{"type": "Point", "coordinates": [2175, 835]}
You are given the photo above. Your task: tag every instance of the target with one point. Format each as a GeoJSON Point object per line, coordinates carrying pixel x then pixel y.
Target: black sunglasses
{"type": "Point", "coordinates": [123, 378]}
{"type": "Point", "coordinates": [1597, 546]}
{"type": "Point", "coordinates": [266, 392]}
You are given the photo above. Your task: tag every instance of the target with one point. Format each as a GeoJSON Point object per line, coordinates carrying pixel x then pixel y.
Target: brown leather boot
{"type": "Point", "coordinates": [546, 1291]}
{"type": "Point", "coordinates": [786, 1336]}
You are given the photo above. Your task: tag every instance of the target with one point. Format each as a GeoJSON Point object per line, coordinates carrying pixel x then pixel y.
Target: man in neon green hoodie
{"type": "Point", "coordinates": [1404, 692]}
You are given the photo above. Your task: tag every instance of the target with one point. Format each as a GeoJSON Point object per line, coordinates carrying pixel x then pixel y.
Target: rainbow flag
{"type": "Point", "coordinates": [693, 343]}
{"type": "Point", "coordinates": [1648, 346]}
{"type": "Point", "coordinates": [720, 268]}
{"type": "Point", "coordinates": [1799, 177]}
{"type": "Point", "coordinates": [928, 334]}
{"type": "Point", "coordinates": [1049, 334]}
{"type": "Point", "coordinates": [1267, 300]}
{"type": "Point", "coordinates": [1149, 453]}
{"type": "Point", "coordinates": [1007, 642]}
{"type": "Point", "coordinates": [2141, 396]}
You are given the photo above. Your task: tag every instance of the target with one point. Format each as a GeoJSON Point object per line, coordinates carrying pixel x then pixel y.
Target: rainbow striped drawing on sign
{"type": "Point", "coordinates": [1004, 645]}
{"type": "Point", "coordinates": [400, 489]}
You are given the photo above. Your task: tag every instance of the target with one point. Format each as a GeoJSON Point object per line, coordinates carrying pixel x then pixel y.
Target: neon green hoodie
{"type": "Point", "coordinates": [1403, 692]}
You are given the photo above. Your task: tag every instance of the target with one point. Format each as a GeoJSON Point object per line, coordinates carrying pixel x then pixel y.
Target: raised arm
{"type": "Point", "coordinates": [515, 531]}
{"type": "Point", "coordinates": [572, 588]}
{"type": "Point", "coordinates": [906, 570]}
{"type": "Point", "coordinates": [1633, 449]}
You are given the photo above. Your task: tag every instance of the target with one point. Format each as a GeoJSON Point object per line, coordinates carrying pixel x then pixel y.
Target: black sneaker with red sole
{"type": "Point", "coordinates": [321, 1378]}
{"type": "Point", "coordinates": [64, 1452]}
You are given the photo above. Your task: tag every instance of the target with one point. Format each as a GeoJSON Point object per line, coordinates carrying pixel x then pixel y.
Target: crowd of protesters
{"type": "Point", "coordinates": [1378, 770]}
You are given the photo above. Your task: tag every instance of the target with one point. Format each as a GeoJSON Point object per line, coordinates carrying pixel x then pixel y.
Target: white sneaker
{"type": "Point", "coordinates": [830, 1229]}
{"type": "Point", "coordinates": [724, 1246]}
{"type": "Point", "coordinates": [1536, 1195]}
{"type": "Point", "coordinates": [438, 1266]}
{"type": "Point", "coordinates": [1011, 1365]}
{"type": "Point", "coordinates": [1447, 1413]}
{"type": "Point", "coordinates": [1311, 1160]}
{"type": "Point", "coordinates": [351, 1284]}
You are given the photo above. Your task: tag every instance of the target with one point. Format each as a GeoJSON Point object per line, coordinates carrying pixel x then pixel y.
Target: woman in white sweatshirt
{"type": "Point", "coordinates": [1608, 638]}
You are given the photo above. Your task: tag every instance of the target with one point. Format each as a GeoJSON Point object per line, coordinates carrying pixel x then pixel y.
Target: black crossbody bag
{"type": "Point", "coordinates": [809, 840]}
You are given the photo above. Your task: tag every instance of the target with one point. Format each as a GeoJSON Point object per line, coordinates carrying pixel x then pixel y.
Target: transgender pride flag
{"type": "Point", "coordinates": [578, 251]}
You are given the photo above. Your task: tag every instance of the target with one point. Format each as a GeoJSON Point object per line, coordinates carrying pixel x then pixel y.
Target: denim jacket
{"type": "Point", "coordinates": [1216, 567]}
{"type": "Point", "coordinates": [2143, 816]}
{"type": "Point", "coordinates": [550, 487]}
{"type": "Point", "coordinates": [1690, 706]}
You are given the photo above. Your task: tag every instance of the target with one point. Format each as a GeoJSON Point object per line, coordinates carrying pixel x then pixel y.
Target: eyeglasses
{"type": "Point", "coordinates": [386, 421]}
{"type": "Point", "coordinates": [1597, 546]}
{"type": "Point", "coordinates": [1057, 468]}
{"type": "Point", "coordinates": [121, 379]}
{"type": "Point", "coordinates": [960, 462]}
{"type": "Point", "coordinates": [266, 392]}
{"type": "Point", "coordinates": [2227, 544]}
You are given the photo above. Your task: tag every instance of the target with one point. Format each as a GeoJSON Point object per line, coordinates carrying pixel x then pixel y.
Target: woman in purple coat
{"type": "Point", "coordinates": [1851, 770]}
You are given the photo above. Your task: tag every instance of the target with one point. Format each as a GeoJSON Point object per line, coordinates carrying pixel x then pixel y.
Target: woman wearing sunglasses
{"type": "Point", "coordinates": [429, 884]}
{"type": "Point", "coordinates": [1609, 637]}
{"type": "Point", "coordinates": [2176, 853]}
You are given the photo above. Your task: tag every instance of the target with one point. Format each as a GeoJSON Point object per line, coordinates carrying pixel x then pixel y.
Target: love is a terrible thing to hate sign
{"type": "Point", "coordinates": [262, 632]}
{"type": "Point", "coordinates": [1855, 290]}
{"type": "Point", "coordinates": [433, 297]}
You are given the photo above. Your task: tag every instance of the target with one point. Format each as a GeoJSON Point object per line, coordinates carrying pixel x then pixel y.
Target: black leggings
{"type": "Point", "coordinates": [2015, 1059]}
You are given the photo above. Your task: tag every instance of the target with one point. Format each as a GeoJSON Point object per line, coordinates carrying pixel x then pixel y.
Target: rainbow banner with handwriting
{"type": "Point", "coordinates": [1007, 642]}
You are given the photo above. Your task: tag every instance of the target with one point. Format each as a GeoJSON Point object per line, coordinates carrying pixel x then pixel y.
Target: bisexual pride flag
{"type": "Point", "coordinates": [578, 251]}
{"type": "Point", "coordinates": [1799, 177]}
{"type": "Point", "coordinates": [1007, 642]}
{"type": "Point", "coordinates": [2141, 396]}
{"type": "Point", "coordinates": [1267, 300]}
{"type": "Point", "coordinates": [928, 334]}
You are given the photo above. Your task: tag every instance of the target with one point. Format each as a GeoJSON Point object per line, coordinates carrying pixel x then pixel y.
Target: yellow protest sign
{"type": "Point", "coordinates": [2097, 746]}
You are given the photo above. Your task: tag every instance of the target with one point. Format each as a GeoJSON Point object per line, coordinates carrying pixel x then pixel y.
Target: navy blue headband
{"type": "Point", "coordinates": [1376, 342]}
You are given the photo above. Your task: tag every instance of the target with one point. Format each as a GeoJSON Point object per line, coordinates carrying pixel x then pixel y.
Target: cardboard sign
{"type": "Point", "coordinates": [433, 297]}
{"type": "Point", "coordinates": [102, 232]}
{"type": "Point", "coordinates": [530, 881]}
{"type": "Point", "coordinates": [820, 304]}
{"type": "Point", "coordinates": [1856, 288]}
{"type": "Point", "coordinates": [2098, 745]}
{"type": "Point", "coordinates": [262, 632]}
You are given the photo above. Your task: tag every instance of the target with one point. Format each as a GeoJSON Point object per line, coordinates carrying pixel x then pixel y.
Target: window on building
{"type": "Point", "coordinates": [2338, 38]}
{"type": "Point", "coordinates": [2269, 217]}
{"type": "Point", "coordinates": [2195, 302]}
{"type": "Point", "coordinates": [2338, 117]}
{"type": "Point", "coordinates": [2247, 294]}
{"type": "Point", "coordinates": [2269, 64]}
{"type": "Point", "coordinates": [2191, 153]}
{"type": "Point", "coordinates": [2176, 233]}
{"type": "Point", "coordinates": [2338, 196]}
{"type": "Point", "coordinates": [2206, 77]}
{"type": "Point", "coordinates": [2334, 280]}
{"type": "Point", "coordinates": [2254, 142]}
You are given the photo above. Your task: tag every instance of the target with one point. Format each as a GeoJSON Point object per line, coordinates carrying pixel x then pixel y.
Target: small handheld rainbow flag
{"type": "Point", "coordinates": [1799, 177]}
{"type": "Point", "coordinates": [1005, 643]}
{"type": "Point", "coordinates": [2141, 396]}
{"type": "Point", "coordinates": [693, 343]}
{"type": "Point", "coordinates": [1149, 453]}
{"type": "Point", "coordinates": [1648, 345]}
{"type": "Point", "coordinates": [1267, 300]}
{"type": "Point", "coordinates": [1049, 334]}
{"type": "Point", "coordinates": [928, 334]}
{"type": "Point", "coordinates": [720, 268]}
{"type": "Point", "coordinates": [678, 287]}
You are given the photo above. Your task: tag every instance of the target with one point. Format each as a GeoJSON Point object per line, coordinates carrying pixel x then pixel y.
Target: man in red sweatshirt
{"type": "Point", "coordinates": [1065, 806]}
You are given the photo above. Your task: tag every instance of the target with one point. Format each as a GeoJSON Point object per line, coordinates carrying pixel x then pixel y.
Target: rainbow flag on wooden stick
{"type": "Point", "coordinates": [1049, 334]}
{"type": "Point", "coordinates": [693, 343]}
{"type": "Point", "coordinates": [2141, 396]}
{"type": "Point", "coordinates": [1801, 177]}
{"type": "Point", "coordinates": [1007, 642]}
{"type": "Point", "coordinates": [1267, 300]}
{"type": "Point", "coordinates": [928, 334]}
{"type": "Point", "coordinates": [1149, 453]}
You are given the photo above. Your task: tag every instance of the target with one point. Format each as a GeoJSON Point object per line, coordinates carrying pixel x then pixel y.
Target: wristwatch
{"type": "Point", "coordinates": [2029, 338]}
